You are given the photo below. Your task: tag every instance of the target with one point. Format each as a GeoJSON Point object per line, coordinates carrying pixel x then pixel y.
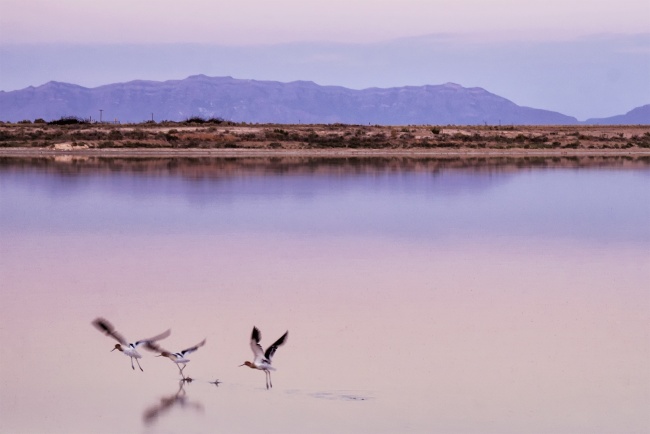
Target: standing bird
{"type": "Point", "coordinates": [262, 360]}
{"type": "Point", "coordinates": [126, 348]}
{"type": "Point", "coordinates": [179, 357]}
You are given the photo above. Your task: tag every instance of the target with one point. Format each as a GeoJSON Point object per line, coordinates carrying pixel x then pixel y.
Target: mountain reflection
{"type": "Point", "coordinates": [167, 403]}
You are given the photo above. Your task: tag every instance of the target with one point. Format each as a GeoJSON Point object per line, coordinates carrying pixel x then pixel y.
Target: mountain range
{"type": "Point", "coordinates": [256, 101]}
{"type": "Point", "coordinates": [636, 116]}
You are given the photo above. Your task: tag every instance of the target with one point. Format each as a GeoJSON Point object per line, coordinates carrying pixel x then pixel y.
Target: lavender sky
{"type": "Point", "coordinates": [585, 58]}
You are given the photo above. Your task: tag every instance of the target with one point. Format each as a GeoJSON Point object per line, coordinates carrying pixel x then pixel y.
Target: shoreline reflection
{"type": "Point", "coordinates": [224, 168]}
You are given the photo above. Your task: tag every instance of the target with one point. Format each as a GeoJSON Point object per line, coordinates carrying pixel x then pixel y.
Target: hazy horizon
{"type": "Point", "coordinates": [584, 58]}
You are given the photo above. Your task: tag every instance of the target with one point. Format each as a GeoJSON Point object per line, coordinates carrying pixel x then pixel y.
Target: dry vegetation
{"type": "Point", "coordinates": [224, 135]}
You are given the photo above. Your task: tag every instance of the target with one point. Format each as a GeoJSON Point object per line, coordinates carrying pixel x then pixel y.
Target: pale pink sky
{"type": "Point", "coordinates": [281, 21]}
{"type": "Point", "coordinates": [584, 58]}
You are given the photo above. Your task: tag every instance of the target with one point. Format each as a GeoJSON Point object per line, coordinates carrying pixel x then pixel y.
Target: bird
{"type": "Point", "coordinates": [262, 359]}
{"type": "Point", "coordinates": [179, 357]}
{"type": "Point", "coordinates": [124, 347]}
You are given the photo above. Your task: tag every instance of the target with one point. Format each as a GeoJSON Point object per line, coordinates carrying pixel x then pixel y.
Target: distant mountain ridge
{"type": "Point", "coordinates": [637, 116]}
{"type": "Point", "coordinates": [271, 102]}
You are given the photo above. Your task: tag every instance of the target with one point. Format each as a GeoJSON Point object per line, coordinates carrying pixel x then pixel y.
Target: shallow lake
{"type": "Point", "coordinates": [420, 295]}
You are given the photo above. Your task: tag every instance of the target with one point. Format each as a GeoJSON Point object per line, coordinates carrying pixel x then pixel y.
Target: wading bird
{"type": "Point", "coordinates": [126, 348]}
{"type": "Point", "coordinates": [179, 357]}
{"type": "Point", "coordinates": [262, 360]}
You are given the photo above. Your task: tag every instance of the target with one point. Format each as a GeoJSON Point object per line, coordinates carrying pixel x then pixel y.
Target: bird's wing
{"type": "Point", "coordinates": [194, 348]}
{"type": "Point", "coordinates": [163, 335]}
{"type": "Point", "coordinates": [256, 335]}
{"type": "Point", "coordinates": [153, 346]}
{"type": "Point", "coordinates": [107, 328]}
{"type": "Point", "coordinates": [258, 351]}
{"type": "Point", "coordinates": [271, 350]}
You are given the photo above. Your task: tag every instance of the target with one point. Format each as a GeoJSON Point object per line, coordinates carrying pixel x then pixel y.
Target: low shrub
{"type": "Point", "coordinates": [69, 120]}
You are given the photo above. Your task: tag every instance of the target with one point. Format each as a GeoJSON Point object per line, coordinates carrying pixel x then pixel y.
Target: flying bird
{"type": "Point", "coordinates": [180, 357]}
{"type": "Point", "coordinates": [126, 348]}
{"type": "Point", "coordinates": [262, 359]}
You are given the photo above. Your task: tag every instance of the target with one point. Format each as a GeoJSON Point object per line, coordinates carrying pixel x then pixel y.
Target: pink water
{"type": "Point", "coordinates": [494, 332]}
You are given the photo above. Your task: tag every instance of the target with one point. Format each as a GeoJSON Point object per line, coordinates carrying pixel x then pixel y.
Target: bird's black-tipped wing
{"type": "Point", "coordinates": [194, 348]}
{"type": "Point", "coordinates": [108, 329]}
{"type": "Point", "coordinates": [255, 342]}
{"type": "Point", "coordinates": [163, 335]}
{"type": "Point", "coordinates": [271, 350]}
{"type": "Point", "coordinates": [256, 335]}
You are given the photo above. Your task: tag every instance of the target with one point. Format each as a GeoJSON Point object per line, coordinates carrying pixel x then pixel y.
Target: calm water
{"type": "Point", "coordinates": [460, 296]}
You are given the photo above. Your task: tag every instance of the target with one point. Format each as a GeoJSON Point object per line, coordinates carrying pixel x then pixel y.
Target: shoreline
{"type": "Point", "coordinates": [335, 140]}
{"type": "Point", "coordinates": [316, 153]}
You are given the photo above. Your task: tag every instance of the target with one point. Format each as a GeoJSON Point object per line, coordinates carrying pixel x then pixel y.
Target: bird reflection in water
{"type": "Point", "coordinates": [178, 399]}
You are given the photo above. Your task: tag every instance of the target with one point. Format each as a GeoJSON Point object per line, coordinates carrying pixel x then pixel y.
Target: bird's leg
{"type": "Point", "coordinates": [136, 361]}
{"type": "Point", "coordinates": [132, 367]}
{"type": "Point", "coordinates": [180, 370]}
{"type": "Point", "coordinates": [270, 383]}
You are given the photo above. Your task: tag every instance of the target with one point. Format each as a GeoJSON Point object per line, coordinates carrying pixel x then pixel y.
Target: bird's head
{"type": "Point", "coordinates": [249, 364]}
{"type": "Point", "coordinates": [117, 347]}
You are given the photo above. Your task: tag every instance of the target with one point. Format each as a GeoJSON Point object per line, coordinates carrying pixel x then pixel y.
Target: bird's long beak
{"type": "Point", "coordinates": [112, 350]}
{"type": "Point", "coordinates": [241, 365]}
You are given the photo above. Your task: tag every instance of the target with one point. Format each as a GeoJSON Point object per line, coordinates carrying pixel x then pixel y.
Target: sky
{"type": "Point", "coordinates": [585, 58]}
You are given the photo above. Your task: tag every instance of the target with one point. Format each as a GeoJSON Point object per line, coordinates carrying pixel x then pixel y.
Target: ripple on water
{"type": "Point", "coordinates": [340, 396]}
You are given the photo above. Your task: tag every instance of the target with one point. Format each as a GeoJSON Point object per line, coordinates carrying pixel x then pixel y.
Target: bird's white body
{"type": "Point", "coordinates": [178, 358]}
{"type": "Point", "coordinates": [131, 351]}
{"type": "Point", "coordinates": [262, 364]}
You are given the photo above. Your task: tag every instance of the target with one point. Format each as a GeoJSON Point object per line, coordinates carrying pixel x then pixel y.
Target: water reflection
{"type": "Point", "coordinates": [423, 296]}
{"type": "Point", "coordinates": [426, 199]}
{"type": "Point", "coordinates": [178, 399]}
{"type": "Point", "coordinates": [216, 168]}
